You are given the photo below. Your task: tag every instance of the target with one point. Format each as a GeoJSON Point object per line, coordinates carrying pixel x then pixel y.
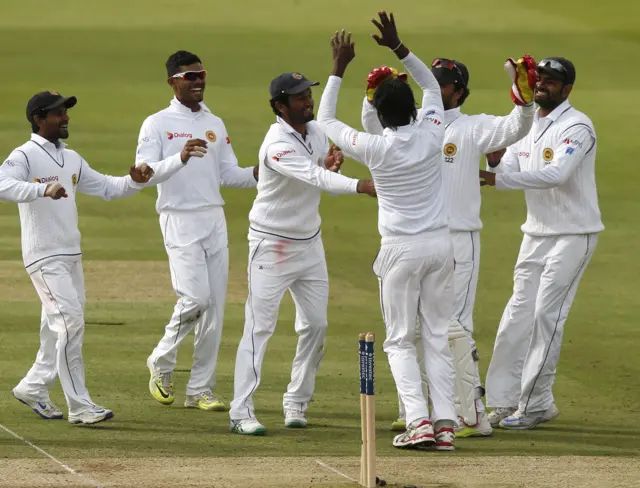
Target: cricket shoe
{"type": "Point", "coordinates": [481, 429]}
{"type": "Point", "coordinates": [524, 421]}
{"type": "Point", "coordinates": [46, 409]}
{"type": "Point", "coordinates": [498, 414]}
{"type": "Point", "coordinates": [205, 401]}
{"type": "Point", "coordinates": [445, 439]}
{"type": "Point", "coordinates": [294, 419]}
{"type": "Point", "coordinates": [246, 427]}
{"type": "Point", "coordinates": [419, 436]}
{"type": "Point", "coordinates": [161, 386]}
{"type": "Point", "coordinates": [91, 416]}
{"type": "Point", "coordinates": [399, 425]}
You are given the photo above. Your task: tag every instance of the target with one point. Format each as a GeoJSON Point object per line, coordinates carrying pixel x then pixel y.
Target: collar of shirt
{"type": "Point", "coordinates": [38, 139]}
{"type": "Point", "coordinates": [400, 131]}
{"type": "Point", "coordinates": [290, 130]}
{"type": "Point", "coordinates": [555, 113]}
{"type": "Point", "coordinates": [179, 107]}
{"type": "Point", "coordinates": [451, 115]}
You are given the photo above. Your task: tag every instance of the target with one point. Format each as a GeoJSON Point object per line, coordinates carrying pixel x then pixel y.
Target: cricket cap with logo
{"type": "Point", "coordinates": [290, 84]}
{"type": "Point", "coordinates": [450, 71]}
{"type": "Point", "coordinates": [559, 68]}
{"type": "Point", "coordinates": [42, 102]}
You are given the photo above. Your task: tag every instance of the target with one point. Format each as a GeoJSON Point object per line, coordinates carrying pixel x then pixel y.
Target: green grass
{"type": "Point", "coordinates": [111, 55]}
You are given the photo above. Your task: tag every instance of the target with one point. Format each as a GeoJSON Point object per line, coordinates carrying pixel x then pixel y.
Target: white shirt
{"type": "Point", "coordinates": [555, 165]}
{"type": "Point", "coordinates": [406, 164]}
{"type": "Point", "coordinates": [467, 138]}
{"type": "Point", "coordinates": [292, 177]}
{"type": "Point", "coordinates": [50, 227]}
{"type": "Point", "coordinates": [197, 186]}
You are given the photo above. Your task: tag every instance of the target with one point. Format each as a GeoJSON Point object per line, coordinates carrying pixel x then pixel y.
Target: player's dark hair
{"type": "Point", "coordinates": [283, 99]}
{"type": "Point", "coordinates": [395, 103]}
{"type": "Point", "coordinates": [180, 58]}
{"type": "Point", "coordinates": [34, 127]}
{"type": "Point", "coordinates": [464, 96]}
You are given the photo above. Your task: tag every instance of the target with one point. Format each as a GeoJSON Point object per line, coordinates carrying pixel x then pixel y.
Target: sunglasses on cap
{"type": "Point", "coordinates": [191, 75]}
{"type": "Point", "coordinates": [448, 64]}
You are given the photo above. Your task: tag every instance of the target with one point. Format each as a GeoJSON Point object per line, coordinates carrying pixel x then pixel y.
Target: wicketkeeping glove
{"type": "Point", "coordinates": [524, 74]}
{"type": "Point", "coordinates": [377, 76]}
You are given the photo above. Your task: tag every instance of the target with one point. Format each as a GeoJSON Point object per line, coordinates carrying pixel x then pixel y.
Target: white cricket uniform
{"type": "Point", "coordinates": [555, 165]}
{"type": "Point", "coordinates": [467, 138]}
{"type": "Point", "coordinates": [52, 256]}
{"type": "Point", "coordinates": [286, 253]}
{"type": "Point", "coordinates": [194, 230]}
{"type": "Point", "coordinates": [415, 262]}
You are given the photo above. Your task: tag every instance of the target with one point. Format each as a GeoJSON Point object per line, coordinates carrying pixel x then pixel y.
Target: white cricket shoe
{"type": "Point", "coordinates": [445, 439]}
{"type": "Point", "coordinates": [420, 435]}
{"type": "Point", "coordinates": [500, 413]}
{"type": "Point", "coordinates": [294, 419]}
{"type": "Point", "coordinates": [481, 429]}
{"type": "Point", "coordinates": [524, 421]}
{"type": "Point", "coordinates": [247, 427]}
{"type": "Point", "coordinates": [46, 409]}
{"type": "Point", "coordinates": [91, 416]}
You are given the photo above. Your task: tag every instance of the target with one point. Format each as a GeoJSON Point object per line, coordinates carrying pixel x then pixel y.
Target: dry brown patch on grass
{"type": "Point", "coordinates": [113, 281]}
{"type": "Point", "coordinates": [430, 470]}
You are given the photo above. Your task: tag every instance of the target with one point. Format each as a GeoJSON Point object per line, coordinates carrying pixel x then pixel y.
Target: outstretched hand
{"type": "Point", "coordinates": [388, 32]}
{"type": "Point", "coordinates": [343, 52]}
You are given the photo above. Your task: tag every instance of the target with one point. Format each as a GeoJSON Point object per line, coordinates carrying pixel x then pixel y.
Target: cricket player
{"type": "Point", "coordinates": [193, 227]}
{"type": "Point", "coordinates": [555, 166]}
{"type": "Point", "coordinates": [415, 262]}
{"type": "Point", "coordinates": [467, 139]}
{"type": "Point", "coordinates": [42, 176]}
{"type": "Point", "coordinates": [286, 252]}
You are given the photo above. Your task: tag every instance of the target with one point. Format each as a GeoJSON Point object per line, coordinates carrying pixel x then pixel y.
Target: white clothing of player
{"type": "Point", "coordinates": [415, 262]}
{"type": "Point", "coordinates": [194, 230]}
{"type": "Point", "coordinates": [555, 165]}
{"type": "Point", "coordinates": [466, 139]}
{"type": "Point", "coordinates": [286, 253]}
{"type": "Point", "coordinates": [52, 257]}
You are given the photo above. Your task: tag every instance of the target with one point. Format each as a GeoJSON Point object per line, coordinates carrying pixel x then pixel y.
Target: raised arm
{"type": "Point", "coordinates": [491, 133]}
{"type": "Point", "coordinates": [359, 146]}
{"type": "Point", "coordinates": [14, 180]}
{"type": "Point", "coordinates": [232, 175]}
{"type": "Point", "coordinates": [369, 117]}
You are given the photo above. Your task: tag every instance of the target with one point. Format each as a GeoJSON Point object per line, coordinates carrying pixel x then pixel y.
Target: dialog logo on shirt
{"type": "Point", "coordinates": [547, 154]}
{"type": "Point", "coordinates": [572, 142]}
{"type": "Point", "coordinates": [176, 135]}
{"type": "Point", "coordinates": [46, 179]}
{"type": "Point", "coordinates": [227, 140]}
{"type": "Point", "coordinates": [211, 136]}
{"type": "Point", "coordinates": [449, 151]}
{"type": "Point", "coordinates": [282, 153]}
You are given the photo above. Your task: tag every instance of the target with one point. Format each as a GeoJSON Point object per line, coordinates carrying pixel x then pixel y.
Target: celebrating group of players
{"type": "Point", "coordinates": [425, 176]}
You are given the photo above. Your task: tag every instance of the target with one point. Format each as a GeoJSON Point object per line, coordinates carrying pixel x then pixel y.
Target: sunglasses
{"type": "Point", "coordinates": [448, 64]}
{"type": "Point", "coordinates": [191, 75]}
{"type": "Point", "coordinates": [552, 64]}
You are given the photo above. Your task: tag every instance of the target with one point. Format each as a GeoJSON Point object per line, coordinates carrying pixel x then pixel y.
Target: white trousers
{"type": "Point", "coordinates": [275, 267]}
{"type": "Point", "coordinates": [199, 270]}
{"type": "Point", "coordinates": [466, 252]}
{"type": "Point", "coordinates": [415, 276]}
{"type": "Point", "coordinates": [466, 255]}
{"type": "Point", "coordinates": [527, 347]}
{"type": "Point", "coordinates": [60, 285]}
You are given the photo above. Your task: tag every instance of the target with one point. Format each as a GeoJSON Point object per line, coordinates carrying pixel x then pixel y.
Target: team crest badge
{"type": "Point", "coordinates": [547, 154]}
{"type": "Point", "coordinates": [74, 179]}
{"type": "Point", "coordinates": [450, 149]}
{"type": "Point", "coordinates": [211, 136]}
{"type": "Point", "coordinates": [297, 76]}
